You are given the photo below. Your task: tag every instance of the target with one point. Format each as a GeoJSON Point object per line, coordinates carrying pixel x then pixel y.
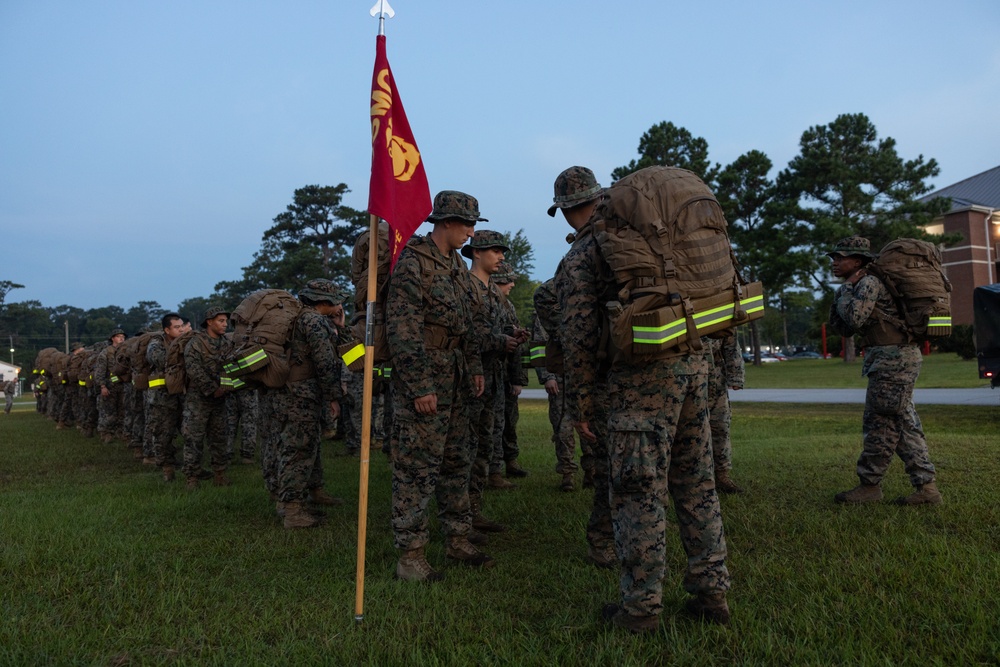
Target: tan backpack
{"type": "Point", "coordinates": [262, 335]}
{"type": "Point", "coordinates": [911, 270]}
{"type": "Point", "coordinates": [663, 233]}
{"type": "Point", "coordinates": [174, 372]}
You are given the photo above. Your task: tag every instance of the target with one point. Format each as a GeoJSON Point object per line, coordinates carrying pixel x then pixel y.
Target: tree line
{"type": "Point", "coordinates": [845, 180]}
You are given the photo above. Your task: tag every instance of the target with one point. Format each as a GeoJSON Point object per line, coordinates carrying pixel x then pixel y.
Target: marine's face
{"type": "Point", "coordinates": [117, 339]}
{"type": "Point", "coordinates": [489, 259]}
{"type": "Point", "coordinates": [217, 325]}
{"type": "Point", "coordinates": [845, 266]}
{"type": "Point", "coordinates": [458, 231]}
{"type": "Point", "coordinates": [175, 329]}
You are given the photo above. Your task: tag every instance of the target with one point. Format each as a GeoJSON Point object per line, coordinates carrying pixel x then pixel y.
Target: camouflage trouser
{"type": "Point", "coordinates": [204, 424]}
{"type": "Point", "coordinates": [720, 417]}
{"type": "Point", "coordinates": [600, 530]}
{"type": "Point", "coordinates": [659, 443]}
{"type": "Point", "coordinates": [57, 393]}
{"type": "Point", "coordinates": [352, 403]}
{"type": "Point", "coordinates": [8, 402]}
{"type": "Point", "coordinates": [241, 417]}
{"type": "Point", "coordinates": [297, 433]}
{"type": "Point", "coordinates": [505, 418]}
{"type": "Point", "coordinates": [162, 424]}
{"type": "Point", "coordinates": [891, 426]}
{"type": "Point", "coordinates": [135, 417]}
{"type": "Point", "coordinates": [268, 440]}
{"type": "Point", "coordinates": [563, 437]}
{"type": "Point", "coordinates": [110, 409]}
{"type": "Point", "coordinates": [482, 424]}
{"type": "Point", "coordinates": [431, 457]}
{"type": "Point", "coordinates": [41, 402]}
{"type": "Point", "coordinates": [89, 410]}
{"type": "Point", "coordinates": [67, 411]}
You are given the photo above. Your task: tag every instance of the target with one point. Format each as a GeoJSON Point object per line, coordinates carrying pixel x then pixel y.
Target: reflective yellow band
{"type": "Point", "coordinates": [232, 383]}
{"type": "Point", "coordinates": [384, 371]}
{"type": "Point", "coordinates": [246, 362]}
{"type": "Point", "coordinates": [659, 335]}
{"type": "Point", "coordinates": [114, 378]}
{"type": "Point", "coordinates": [939, 322]}
{"type": "Point", "coordinates": [159, 382]}
{"type": "Point", "coordinates": [82, 383]}
{"type": "Point", "coordinates": [353, 354]}
{"type": "Point", "coordinates": [702, 320]}
{"type": "Point", "coordinates": [537, 352]}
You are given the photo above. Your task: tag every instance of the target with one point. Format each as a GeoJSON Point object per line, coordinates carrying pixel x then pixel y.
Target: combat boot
{"type": "Point", "coordinates": [926, 494]}
{"type": "Point", "coordinates": [412, 566]}
{"type": "Point", "coordinates": [459, 548]}
{"type": "Point", "coordinates": [477, 538]}
{"type": "Point", "coordinates": [168, 473]}
{"type": "Point", "coordinates": [247, 460]}
{"type": "Point", "coordinates": [482, 524]}
{"type": "Point", "coordinates": [603, 556]}
{"type": "Point", "coordinates": [296, 516]}
{"type": "Point", "coordinates": [60, 426]}
{"type": "Point", "coordinates": [192, 483]}
{"type": "Point", "coordinates": [88, 432]}
{"type": "Point", "coordinates": [205, 474]}
{"type": "Point", "coordinates": [319, 496]}
{"type": "Point", "coordinates": [724, 484]}
{"type": "Point", "coordinates": [588, 478]}
{"type": "Point", "coordinates": [567, 483]}
{"type": "Point", "coordinates": [711, 607]}
{"type": "Point", "coordinates": [220, 479]}
{"type": "Point", "coordinates": [862, 493]}
{"type": "Point", "coordinates": [514, 469]}
{"type": "Point", "coordinates": [148, 461]}
{"type": "Point", "coordinates": [637, 625]}
{"type": "Point", "coordinates": [496, 481]}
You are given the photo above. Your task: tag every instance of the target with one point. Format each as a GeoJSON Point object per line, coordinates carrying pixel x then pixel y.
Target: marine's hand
{"type": "Point", "coordinates": [552, 387]}
{"type": "Point", "coordinates": [479, 384]}
{"type": "Point", "coordinates": [583, 428]}
{"type": "Point", "coordinates": [426, 405]}
{"type": "Point", "coordinates": [515, 390]}
{"type": "Point", "coordinates": [510, 343]}
{"type": "Point", "coordinates": [335, 409]}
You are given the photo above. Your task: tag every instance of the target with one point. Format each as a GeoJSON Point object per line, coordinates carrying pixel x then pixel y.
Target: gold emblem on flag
{"type": "Point", "coordinates": [405, 156]}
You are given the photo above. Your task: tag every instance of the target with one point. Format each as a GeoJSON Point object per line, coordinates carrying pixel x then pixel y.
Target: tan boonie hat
{"type": "Point", "coordinates": [575, 186]}
{"type": "Point", "coordinates": [212, 313]}
{"type": "Point", "coordinates": [852, 246]}
{"type": "Point", "coordinates": [483, 239]}
{"type": "Point", "coordinates": [455, 204]}
{"type": "Point", "coordinates": [321, 290]}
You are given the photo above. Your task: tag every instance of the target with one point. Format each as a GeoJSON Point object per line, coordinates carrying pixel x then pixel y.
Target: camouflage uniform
{"type": "Point", "coordinates": [164, 411]}
{"type": "Point", "coordinates": [727, 371]}
{"type": "Point", "coordinates": [71, 395]}
{"type": "Point", "coordinates": [9, 387]}
{"type": "Point", "coordinates": [241, 417]}
{"type": "Point", "coordinates": [434, 351]}
{"type": "Point", "coordinates": [111, 407]}
{"type": "Point", "coordinates": [890, 424]}
{"type": "Point", "coordinates": [295, 411]}
{"type": "Point", "coordinates": [548, 319]}
{"type": "Point", "coordinates": [658, 442]}
{"type": "Point", "coordinates": [506, 415]}
{"type": "Point", "coordinates": [204, 416]}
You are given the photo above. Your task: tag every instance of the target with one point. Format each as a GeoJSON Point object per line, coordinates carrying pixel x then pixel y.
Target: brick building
{"type": "Point", "coordinates": [975, 261]}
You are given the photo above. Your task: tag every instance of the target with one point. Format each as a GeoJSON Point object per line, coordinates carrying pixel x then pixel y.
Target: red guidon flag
{"type": "Point", "coordinates": [398, 192]}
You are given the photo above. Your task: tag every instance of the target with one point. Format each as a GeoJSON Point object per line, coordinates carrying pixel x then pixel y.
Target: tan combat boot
{"type": "Point", "coordinates": [412, 566]}
{"type": "Point", "coordinates": [320, 497]}
{"type": "Point", "coordinates": [496, 481]}
{"type": "Point", "coordinates": [514, 469]}
{"type": "Point", "coordinates": [724, 484]}
{"type": "Point", "coordinates": [603, 556]}
{"type": "Point", "coordinates": [711, 607]}
{"type": "Point", "coordinates": [192, 483]}
{"type": "Point", "coordinates": [220, 479]}
{"type": "Point", "coordinates": [927, 494]}
{"type": "Point", "coordinates": [588, 478]}
{"type": "Point", "coordinates": [459, 548]}
{"type": "Point", "coordinates": [296, 516]}
{"type": "Point", "coordinates": [638, 625]}
{"type": "Point", "coordinates": [168, 473]}
{"type": "Point", "coordinates": [481, 523]}
{"type": "Point", "coordinates": [862, 493]}
{"type": "Point", "coordinates": [567, 483]}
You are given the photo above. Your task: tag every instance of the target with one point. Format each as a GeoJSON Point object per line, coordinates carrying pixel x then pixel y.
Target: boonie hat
{"type": "Point", "coordinates": [211, 313]}
{"type": "Point", "coordinates": [115, 332]}
{"type": "Point", "coordinates": [504, 275]}
{"type": "Point", "coordinates": [852, 246]}
{"type": "Point", "coordinates": [321, 290]}
{"type": "Point", "coordinates": [483, 239]}
{"type": "Point", "coordinates": [575, 186]}
{"type": "Point", "coordinates": [455, 204]}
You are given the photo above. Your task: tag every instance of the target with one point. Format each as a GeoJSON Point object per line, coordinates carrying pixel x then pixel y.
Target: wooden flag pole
{"type": "Point", "coordinates": [366, 417]}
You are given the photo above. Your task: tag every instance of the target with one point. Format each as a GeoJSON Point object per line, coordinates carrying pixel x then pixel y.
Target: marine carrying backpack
{"type": "Point", "coordinates": [174, 372]}
{"type": "Point", "coordinates": [263, 329]}
{"type": "Point", "coordinates": [911, 270]}
{"type": "Point", "coordinates": [663, 233]}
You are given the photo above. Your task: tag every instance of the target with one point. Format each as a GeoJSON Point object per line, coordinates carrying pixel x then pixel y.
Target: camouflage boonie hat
{"type": "Point", "coordinates": [483, 239]}
{"type": "Point", "coordinates": [852, 246]}
{"type": "Point", "coordinates": [455, 204]}
{"type": "Point", "coordinates": [505, 275]}
{"type": "Point", "coordinates": [211, 313]}
{"type": "Point", "coordinates": [115, 332]}
{"type": "Point", "coordinates": [575, 186]}
{"type": "Point", "coordinates": [321, 290]}
{"type": "Point", "coordinates": [75, 346]}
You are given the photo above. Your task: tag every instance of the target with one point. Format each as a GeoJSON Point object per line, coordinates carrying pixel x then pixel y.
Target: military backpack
{"type": "Point", "coordinates": [911, 270]}
{"type": "Point", "coordinates": [262, 337]}
{"type": "Point", "coordinates": [174, 373]}
{"type": "Point", "coordinates": [663, 233]}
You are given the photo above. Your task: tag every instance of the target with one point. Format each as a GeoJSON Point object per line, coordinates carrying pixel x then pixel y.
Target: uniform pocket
{"type": "Point", "coordinates": [886, 397]}
{"type": "Point", "coordinates": [636, 458]}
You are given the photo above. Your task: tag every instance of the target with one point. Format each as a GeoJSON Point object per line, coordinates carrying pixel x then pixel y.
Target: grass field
{"type": "Point", "coordinates": [104, 564]}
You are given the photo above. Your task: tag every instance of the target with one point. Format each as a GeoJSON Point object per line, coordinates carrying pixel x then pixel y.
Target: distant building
{"type": "Point", "coordinates": [975, 261]}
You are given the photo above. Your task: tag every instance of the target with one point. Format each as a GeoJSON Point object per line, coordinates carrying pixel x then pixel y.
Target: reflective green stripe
{"type": "Point", "coordinates": [246, 362]}
{"type": "Point", "coordinates": [353, 354]}
{"type": "Point", "coordinates": [658, 335]}
{"type": "Point", "coordinates": [234, 383]}
{"type": "Point", "coordinates": [537, 352]}
{"type": "Point", "coordinates": [82, 383]}
{"type": "Point", "coordinates": [114, 378]}
{"type": "Point", "coordinates": [939, 322]}
{"type": "Point", "coordinates": [756, 303]}
{"type": "Point", "coordinates": [157, 383]}
{"type": "Point", "coordinates": [384, 371]}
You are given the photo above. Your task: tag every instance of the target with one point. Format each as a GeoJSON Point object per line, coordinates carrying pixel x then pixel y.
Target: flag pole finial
{"type": "Point", "coordinates": [382, 10]}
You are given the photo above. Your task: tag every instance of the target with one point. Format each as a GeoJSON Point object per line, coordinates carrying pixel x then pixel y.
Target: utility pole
{"type": "Point", "coordinates": [66, 330]}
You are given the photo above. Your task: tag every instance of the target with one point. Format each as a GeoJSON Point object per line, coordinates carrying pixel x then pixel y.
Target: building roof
{"type": "Point", "coordinates": [979, 190]}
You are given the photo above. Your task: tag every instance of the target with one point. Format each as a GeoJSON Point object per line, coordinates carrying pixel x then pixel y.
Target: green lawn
{"type": "Point", "coordinates": [103, 564]}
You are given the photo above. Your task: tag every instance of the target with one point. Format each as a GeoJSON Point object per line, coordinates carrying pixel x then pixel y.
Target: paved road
{"type": "Point", "coordinates": [977, 396]}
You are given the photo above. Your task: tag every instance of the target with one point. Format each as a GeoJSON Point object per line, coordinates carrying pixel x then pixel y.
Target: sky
{"type": "Point", "coordinates": [146, 146]}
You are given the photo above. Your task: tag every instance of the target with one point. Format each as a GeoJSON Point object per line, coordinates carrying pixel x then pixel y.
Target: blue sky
{"type": "Point", "coordinates": [145, 147]}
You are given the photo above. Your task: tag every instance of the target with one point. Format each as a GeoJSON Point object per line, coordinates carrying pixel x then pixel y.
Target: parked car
{"type": "Point", "coordinates": [765, 357]}
{"type": "Point", "coordinates": [805, 354]}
